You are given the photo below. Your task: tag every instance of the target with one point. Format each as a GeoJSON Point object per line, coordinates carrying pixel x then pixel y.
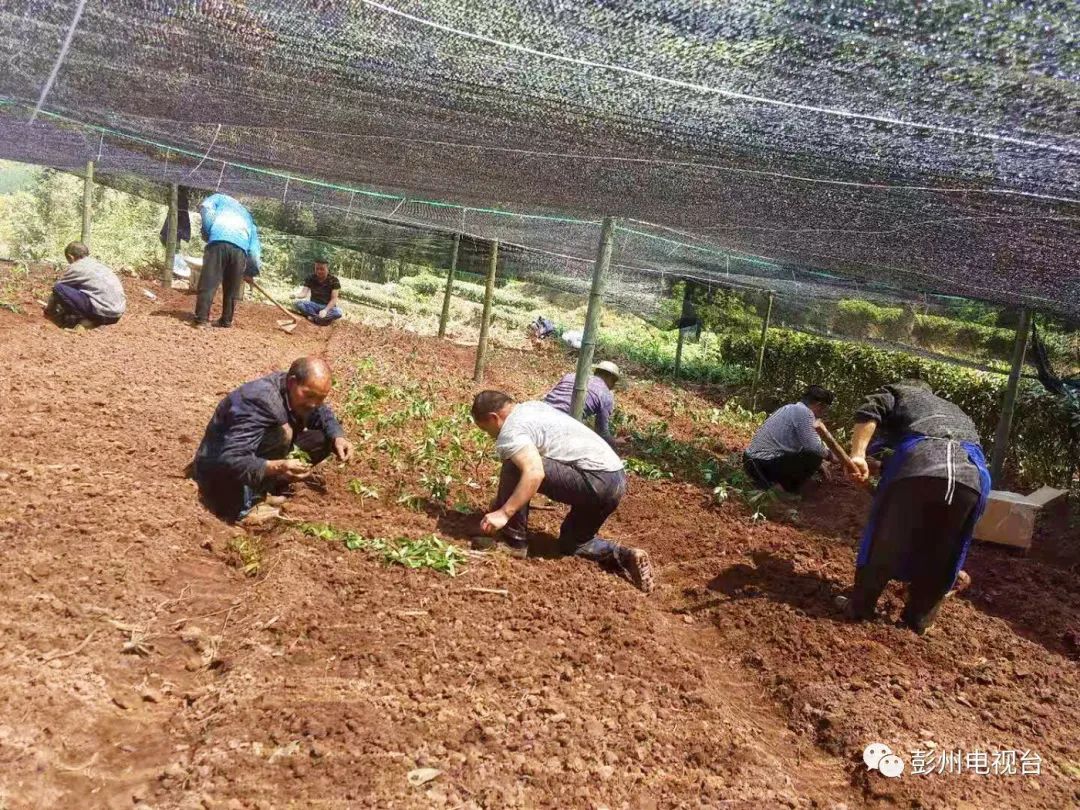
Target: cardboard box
{"type": "Point", "coordinates": [1010, 518]}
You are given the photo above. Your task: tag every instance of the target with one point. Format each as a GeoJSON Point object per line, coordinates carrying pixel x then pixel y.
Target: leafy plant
{"type": "Point", "coordinates": [424, 552]}
{"type": "Point", "coordinates": [645, 470]}
{"type": "Point", "coordinates": [357, 487]}
{"type": "Point", "coordinates": [249, 550]}
{"type": "Point", "coordinates": [411, 501]}
{"type": "Point", "coordinates": [298, 454]}
{"type": "Point", "coordinates": [437, 486]}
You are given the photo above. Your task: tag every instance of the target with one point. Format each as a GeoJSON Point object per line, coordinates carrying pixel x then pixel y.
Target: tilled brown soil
{"type": "Point", "coordinates": [142, 667]}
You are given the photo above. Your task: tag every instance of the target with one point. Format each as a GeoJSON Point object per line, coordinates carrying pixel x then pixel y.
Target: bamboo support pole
{"type": "Point", "coordinates": [761, 353]}
{"type": "Point", "coordinates": [1008, 407]}
{"type": "Point", "coordinates": [445, 316]}
{"type": "Point", "coordinates": [592, 318]}
{"type": "Point", "coordinates": [485, 322]}
{"type": "Point", "coordinates": [87, 202]}
{"type": "Point", "coordinates": [170, 235]}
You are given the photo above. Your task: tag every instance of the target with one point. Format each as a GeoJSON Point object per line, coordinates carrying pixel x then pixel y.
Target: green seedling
{"type": "Point", "coordinates": [424, 552]}
{"type": "Point", "coordinates": [646, 470]}
{"type": "Point", "coordinates": [249, 550]}
{"type": "Point", "coordinates": [413, 502]}
{"type": "Point", "coordinates": [297, 454]}
{"type": "Point", "coordinates": [356, 487]}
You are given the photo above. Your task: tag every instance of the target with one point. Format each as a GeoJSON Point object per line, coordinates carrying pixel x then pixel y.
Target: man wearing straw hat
{"type": "Point", "coordinates": [599, 399]}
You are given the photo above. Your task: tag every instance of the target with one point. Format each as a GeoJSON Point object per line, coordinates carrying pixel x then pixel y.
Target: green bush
{"type": "Point", "coordinates": [653, 350]}
{"type": "Point", "coordinates": [373, 295]}
{"type": "Point", "coordinates": [1040, 449]}
{"type": "Point", "coordinates": [864, 319]}
{"type": "Point", "coordinates": [935, 332]}
{"type": "Point", "coordinates": [427, 284]}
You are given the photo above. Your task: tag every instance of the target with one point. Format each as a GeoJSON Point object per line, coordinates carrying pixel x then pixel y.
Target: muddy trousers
{"type": "Point", "coordinates": [231, 499]}
{"type": "Point", "coordinates": [223, 266]}
{"type": "Point", "coordinates": [591, 496]}
{"type": "Point", "coordinates": [918, 535]}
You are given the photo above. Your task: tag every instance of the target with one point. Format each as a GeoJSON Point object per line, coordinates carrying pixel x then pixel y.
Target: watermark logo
{"type": "Point", "coordinates": [879, 757]}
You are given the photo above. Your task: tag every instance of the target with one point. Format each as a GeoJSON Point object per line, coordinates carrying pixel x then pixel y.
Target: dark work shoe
{"type": "Point", "coordinates": [635, 565]}
{"type": "Point", "coordinates": [222, 325]}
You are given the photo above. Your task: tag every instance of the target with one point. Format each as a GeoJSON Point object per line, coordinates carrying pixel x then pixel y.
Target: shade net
{"type": "Point", "coordinates": [887, 151]}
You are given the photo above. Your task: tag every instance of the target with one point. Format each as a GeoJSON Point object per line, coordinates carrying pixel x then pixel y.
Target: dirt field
{"type": "Point", "coordinates": [142, 667]}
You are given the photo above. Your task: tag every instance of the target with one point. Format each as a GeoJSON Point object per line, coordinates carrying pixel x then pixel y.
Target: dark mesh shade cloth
{"type": "Point", "coordinates": [891, 148]}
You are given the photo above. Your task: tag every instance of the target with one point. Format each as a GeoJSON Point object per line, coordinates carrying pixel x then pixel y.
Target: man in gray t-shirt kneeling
{"type": "Point", "coordinates": [544, 450]}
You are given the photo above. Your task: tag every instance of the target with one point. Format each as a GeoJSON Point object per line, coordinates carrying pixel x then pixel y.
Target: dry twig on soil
{"type": "Point", "coordinates": [75, 651]}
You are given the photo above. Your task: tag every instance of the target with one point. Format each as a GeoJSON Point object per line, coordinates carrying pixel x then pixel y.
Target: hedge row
{"type": "Point", "coordinates": [426, 284]}
{"type": "Point", "coordinates": [863, 319]}
{"type": "Point", "coordinates": [1040, 447]}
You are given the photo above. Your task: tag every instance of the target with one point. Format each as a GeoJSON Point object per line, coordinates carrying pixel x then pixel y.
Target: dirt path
{"type": "Point", "coordinates": [142, 665]}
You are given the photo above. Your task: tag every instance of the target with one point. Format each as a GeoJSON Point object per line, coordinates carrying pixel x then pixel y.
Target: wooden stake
{"type": "Point", "coordinates": [1008, 407]}
{"type": "Point", "coordinates": [87, 201]}
{"type": "Point", "coordinates": [485, 322]}
{"type": "Point", "coordinates": [170, 235]}
{"type": "Point", "coordinates": [761, 354]}
{"type": "Point", "coordinates": [592, 317]}
{"type": "Point", "coordinates": [678, 351]}
{"type": "Point", "coordinates": [445, 316]}
{"type": "Point", "coordinates": [682, 329]}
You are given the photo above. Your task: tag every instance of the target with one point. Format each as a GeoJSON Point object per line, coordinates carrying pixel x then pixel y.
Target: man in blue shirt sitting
{"type": "Point", "coordinates": [599, 399]}
{"type": "Point", "coordinates": [242, 456]}
{"type": "Point", "coordinates": [232, 255]}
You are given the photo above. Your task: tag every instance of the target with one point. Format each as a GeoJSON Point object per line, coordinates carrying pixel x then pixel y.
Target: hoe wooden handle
{"type": "Point", "coordinates": [272, 300]}
{"type": "Point", "coordinates": [834, 446]}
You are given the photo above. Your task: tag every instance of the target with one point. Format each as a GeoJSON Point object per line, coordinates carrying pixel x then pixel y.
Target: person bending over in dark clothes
{"type": "Point", "coordinates": [933, 490]}
{"type": "Point", "coordinates": [786, 449]}
{"type": "Point", "coordinates": [232, 256]}
{"type": "Point", "coordinates": [242, 456]}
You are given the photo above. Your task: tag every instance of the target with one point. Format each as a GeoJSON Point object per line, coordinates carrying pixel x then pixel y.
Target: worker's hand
{"type": "Point", "coordinates": [343, 448]}
{"type": "Point", "coordinates": [860, 470]}
{"type": "Point", "coordinates": [494, 521]}
{"type": "Point", "coordinates": [291, 469]}
{"type": "Point", "coordinates": [826, 471]}
{"type": "Point", "coordinates": [249, 279]}
{"type": "Point", "coordinates": [323, 312]}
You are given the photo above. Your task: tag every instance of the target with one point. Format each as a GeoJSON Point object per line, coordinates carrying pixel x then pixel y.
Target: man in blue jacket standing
{"type": "Point", "coordinates": [232, 254]}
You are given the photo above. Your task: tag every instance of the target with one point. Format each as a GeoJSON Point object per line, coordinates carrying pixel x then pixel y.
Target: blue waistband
{"type": "Point", "coordinates": [902, 451]}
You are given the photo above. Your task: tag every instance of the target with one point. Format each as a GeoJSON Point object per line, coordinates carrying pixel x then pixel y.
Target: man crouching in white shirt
{"type": "Point", "coordinates": [547, 451]}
